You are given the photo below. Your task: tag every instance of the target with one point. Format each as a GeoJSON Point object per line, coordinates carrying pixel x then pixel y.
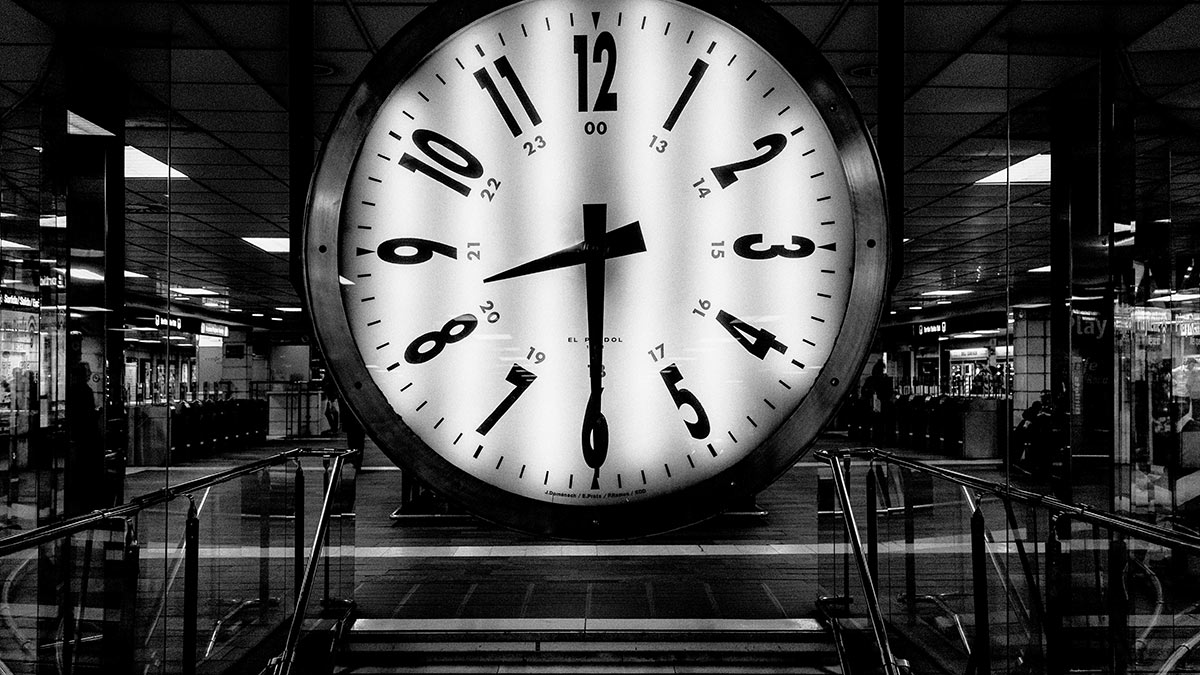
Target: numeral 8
{"type": "Point", "coordinates": [465, 325]}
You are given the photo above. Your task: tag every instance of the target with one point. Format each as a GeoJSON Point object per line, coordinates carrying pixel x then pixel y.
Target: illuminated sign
{"type": "Point", "coordinates": [969, 353]}
{"type": "Point", "coordinates": [161, 321]}
{"type": "Point", "coordinates": [17, 300]}
{"type": "Point", "coordinates": [931, 328]}
{"type": "Point", "coordinates": [214, 329]}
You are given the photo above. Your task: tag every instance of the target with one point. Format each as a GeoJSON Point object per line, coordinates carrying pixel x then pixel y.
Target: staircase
{"type": "Point", "coordinates": [765, 646]}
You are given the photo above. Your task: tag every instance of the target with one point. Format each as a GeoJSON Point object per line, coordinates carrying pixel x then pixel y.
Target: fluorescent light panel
{"type": "Point", "coordinates": [1034, 169]}
{"type": "Point", "coordinates": [947, 293]}
{"type": "Point", "coordinates": [78, 125]}
{"type": "Point", "coordinates": [270, 244]}
{"type": "Point", "coordinates": [140, 165]}
{"type": "Point", "coordinates": [193, 291]}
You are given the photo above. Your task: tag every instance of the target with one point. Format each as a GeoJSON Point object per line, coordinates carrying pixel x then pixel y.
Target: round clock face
{"type": "Point", "coordinates": [595, 269]}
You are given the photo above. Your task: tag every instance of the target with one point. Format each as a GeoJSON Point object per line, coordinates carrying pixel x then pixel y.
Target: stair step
{"type": "Point", "coordinates": [587, 645]}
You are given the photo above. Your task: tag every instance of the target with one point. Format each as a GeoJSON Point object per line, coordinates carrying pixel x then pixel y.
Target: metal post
{"type": "Point", "coordinates": [264, 543]}
{"type": "Point", "coordinates": [325, 593]}
{"type": "Point", "coordinates": [910, 551]}
{"type": "Point", "coordinates": [981, 652]}
{"type": "Point", "coordinates": [191, 586]}
{"type": "Point", "coordinates": [1118, 606]}
{"type": "Point", "coordinates": [298, 497]}
{"type": "Point", "coordinates": [1054, 647]}
{"type": "Point", "coordinates": [872, 528]}
{"type": "Point", "coordinates": [282, 664]}
{"type": "Point", "coordinates": [871, 600]}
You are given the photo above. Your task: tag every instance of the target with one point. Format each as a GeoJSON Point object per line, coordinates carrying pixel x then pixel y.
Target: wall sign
{"type": "Point", "coordinates": [614, 262]}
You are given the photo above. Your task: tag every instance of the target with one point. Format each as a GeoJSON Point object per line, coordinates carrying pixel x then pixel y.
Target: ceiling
{"type": "Point", "coordinates": [215, 75]}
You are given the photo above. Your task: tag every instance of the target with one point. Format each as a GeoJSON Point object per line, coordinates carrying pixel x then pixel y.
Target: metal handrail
{"type": "Point", "coordinates": [1081, 512]}
{"type": "Point", "coordinates": [80, 523]}
{"type": "Point", "coordinates": [887, 658]}
{"type": "Point", "coordinates": [283, 663]}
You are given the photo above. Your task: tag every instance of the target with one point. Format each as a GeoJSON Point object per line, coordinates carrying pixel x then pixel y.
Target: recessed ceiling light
{"type": "Point", "coordinates": [270, 244]}
{"type": "Point", "coordinates": [288, 309]}
{"type": "Point", "coordinates": [1034, 169]}
{"type": "Point", "coordinates": [947, 292]}
{"type": "Point", "coordinates": [943, 302]}
{"type": "Point", "coordinates": [892, 312]}
{"type": "Point", "coordinates": [193, 291]}
{"type": "Point", "coordinates": [258, 314]}
{"type": "Point", "coordinates": [234, 309]}
{"type": "Point", "coordinates": [140, 165]}
{"type": "Point", "coordinates": [1043, 268]}
{"type": "Point", "coordinates": [915, 307]}
{"type": "Point", "coordinates": [276, 318]}
{"type": "Point", "coordinates": [963, 336]}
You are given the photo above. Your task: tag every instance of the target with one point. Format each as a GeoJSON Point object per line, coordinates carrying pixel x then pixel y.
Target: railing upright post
{"type": "Point", "coordinates": [191, 586]}
{"type": "Point", "coordinates": [910, 551]}
{"type": "Point", "coordinates": [981, 652]}
{"type": "Point", "coordinates": [872, 527]}
{"type": "Point", "coordinates": [1054, 618]}
{"type": "Point", "coordinates": [1118, 606]}
{"type": "Point", "coordinates": [298, 521]}
{"type": "Point", "coordinates": [264, 544]}
{"type": "Point", "coordinates": [325, 561]}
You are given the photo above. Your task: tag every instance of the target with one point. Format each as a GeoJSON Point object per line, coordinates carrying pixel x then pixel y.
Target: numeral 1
{"type": "Point", "coordinates": [520, 379]}
{"type": "Point", "coordinates": [694, 76]}
{"type": "Point", "coordinates": [467, 165]}
{"type": "Point", "coordinates": [504, 68]}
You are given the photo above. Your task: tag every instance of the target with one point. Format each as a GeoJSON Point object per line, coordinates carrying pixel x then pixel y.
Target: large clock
{"type": "Point", "coordinates": [596, 268]}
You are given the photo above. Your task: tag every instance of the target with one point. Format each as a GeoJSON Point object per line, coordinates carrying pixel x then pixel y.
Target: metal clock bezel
{"type": "Point", "coordinates": [761, 466]}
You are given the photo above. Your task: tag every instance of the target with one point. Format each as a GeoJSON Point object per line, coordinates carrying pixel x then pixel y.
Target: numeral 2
{"type": "Point", "coordinates": [606, 99]}
{"type": "Point", "coordinates": [726, 175]}
{"type": "Point", "coordinates": [506, 72]}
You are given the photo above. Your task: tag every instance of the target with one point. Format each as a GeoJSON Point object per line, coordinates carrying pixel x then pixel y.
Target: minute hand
{"type": "Point", "coordinates": [624, 240]}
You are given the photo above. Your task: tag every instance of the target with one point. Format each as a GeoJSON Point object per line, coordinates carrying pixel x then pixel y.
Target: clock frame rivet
{"type": "Point", "coordinates": [870, 243]}
{"type": "Point", "coordinates": [358, 385]}
{"type": "Point", "coordinates": [834, 382]}
{"type": "Point", "coordinates": [322, 248]}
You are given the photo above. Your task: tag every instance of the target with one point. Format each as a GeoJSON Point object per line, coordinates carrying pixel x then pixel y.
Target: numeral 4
{"type": "Point", "coordinates": [757, 341]}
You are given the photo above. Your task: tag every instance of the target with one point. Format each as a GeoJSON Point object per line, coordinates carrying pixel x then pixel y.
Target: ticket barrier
{"type": "Point", "coordinates": [163, 434]}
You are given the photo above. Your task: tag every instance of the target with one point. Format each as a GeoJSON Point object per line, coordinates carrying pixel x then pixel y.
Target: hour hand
{"type": "Point", "coordinates": [624, 240]}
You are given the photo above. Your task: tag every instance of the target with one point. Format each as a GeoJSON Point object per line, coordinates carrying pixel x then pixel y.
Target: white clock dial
{"type": "Point", "coordinates": [561, 173]}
